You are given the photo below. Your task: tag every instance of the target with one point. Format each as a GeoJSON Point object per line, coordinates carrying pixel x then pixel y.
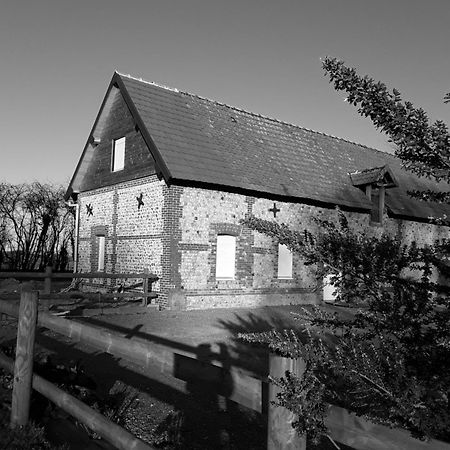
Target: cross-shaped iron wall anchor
{"type": "Point", "coordinates": [89, 210]}
{"type": "Point", "coordinates": [140, 201]}
{"type": "Point", "coordinates": [274, 210]}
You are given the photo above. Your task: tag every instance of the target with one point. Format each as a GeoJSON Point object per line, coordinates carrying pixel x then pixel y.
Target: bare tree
{"type": "Point", "coordinates": [36, 226]}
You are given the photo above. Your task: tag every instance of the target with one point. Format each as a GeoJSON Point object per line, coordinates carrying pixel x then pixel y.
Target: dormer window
{"type": "Point", "coordinates": [374, 183]}
{"type": "Point", "coordinates": [118, 155]}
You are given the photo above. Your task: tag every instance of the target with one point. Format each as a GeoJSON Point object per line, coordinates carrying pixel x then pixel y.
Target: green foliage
{"type": "Point", "coordinates": [424, 147]}
{"type": "Point", "coordinates": [304, 397]}
{"type": "Point", "coordinates": [29, 437]}
{"type": "Point", "coordinates": [389, 360]}
{"type": "Point", "coordinates": [71, 378]}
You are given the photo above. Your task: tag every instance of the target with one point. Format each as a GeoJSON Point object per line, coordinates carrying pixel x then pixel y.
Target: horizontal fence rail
{"type": "Point", "coordinates": [356, 432]}
{"type": "Point", "coordinates": [247, 390]}
{"type": "Point", "coordinates": [95, 295]}
{"type": "Point", "coordinates": [108, 430]}
{"type": "Point", "coordinates": [344, 427]}
{"type": "Point", "coordinates": [147, 280]}
{"type": "Point", "coordinates": [43, 275]}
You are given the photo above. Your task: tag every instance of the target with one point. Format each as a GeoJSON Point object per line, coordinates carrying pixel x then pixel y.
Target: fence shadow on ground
{"type": "Point", "coordinates": [194, 409]}
{"type": "Point", "coordinates": [239, 354]}
{"type": "Point", "coordinates": [201, 414]}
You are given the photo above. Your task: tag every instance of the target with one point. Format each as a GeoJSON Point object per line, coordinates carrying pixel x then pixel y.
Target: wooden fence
{"type": "Point", "coordinates": [24, 380]}
{"type": "Point", "coordinates": [247, 390]}
{"type": "Point", "coordinates": [147, 280]}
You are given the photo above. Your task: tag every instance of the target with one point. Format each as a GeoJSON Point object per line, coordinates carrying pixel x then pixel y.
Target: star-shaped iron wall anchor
{"type": "Point", "coordinates": [140, 201]}
{"type": "Point", "coordinates": [89, 210]}
{"type": "Point", "coordinates": [274, 210]}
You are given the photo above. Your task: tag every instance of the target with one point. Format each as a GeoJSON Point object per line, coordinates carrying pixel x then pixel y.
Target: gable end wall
{"type": "Point", "coordinates": [134, 237]}
{"type": "Point", "coordinates": [117, 123]}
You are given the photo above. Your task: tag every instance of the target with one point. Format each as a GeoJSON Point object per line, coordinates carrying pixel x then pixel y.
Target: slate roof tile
{"type": "Point", "coordinates": [206, 141]}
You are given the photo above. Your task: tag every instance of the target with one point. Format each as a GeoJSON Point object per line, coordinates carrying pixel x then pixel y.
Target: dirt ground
{"type": "Point", "coordinates": [165, 411]}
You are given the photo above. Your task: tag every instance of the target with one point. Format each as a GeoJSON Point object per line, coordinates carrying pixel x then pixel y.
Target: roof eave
{"type": "Point", "coordinates": [274, 195]}
{"type": "Point", "coordinates": [70, 189]}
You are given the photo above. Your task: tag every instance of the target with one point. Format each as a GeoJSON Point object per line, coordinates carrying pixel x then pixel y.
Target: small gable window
{"type": "Point", "coordinates": [225, 256]}
{"type": "Point", "coordinates": [284, 262]}
{"type": "Point", "coordinates": [118, 154]}
{"type": "Point", "coordinates": [101, 253]}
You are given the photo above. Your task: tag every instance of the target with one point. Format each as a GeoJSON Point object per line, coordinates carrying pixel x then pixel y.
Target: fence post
{"type": "Point", "coordinates": [23, 365]}
{"type": "Point", "coordinates": [145, 288]}
{"type": "Point", "coordinates": [48, 280]}
{"type": "Point", "coordinates": [280, 434]}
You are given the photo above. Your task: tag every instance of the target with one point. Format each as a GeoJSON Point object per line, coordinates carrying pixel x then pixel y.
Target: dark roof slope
{"type": "Point", "coordinates": [206, 141]}
{"type": "Point", "coordinates": [199, 140]}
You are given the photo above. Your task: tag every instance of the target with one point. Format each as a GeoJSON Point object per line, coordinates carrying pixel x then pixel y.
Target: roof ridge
{"type": "Point", "coordinates": [152, 83]}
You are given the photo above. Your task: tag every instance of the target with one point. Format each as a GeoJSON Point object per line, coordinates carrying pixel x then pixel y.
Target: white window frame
{"type": "Point", "coordinates": [101, 244]}
{"type": "Point", "coordinates": [226, 257]}
{"type": "Point", "coordinates": [284, 263]}
{"type": "Point", "coordinates": [118, 155]}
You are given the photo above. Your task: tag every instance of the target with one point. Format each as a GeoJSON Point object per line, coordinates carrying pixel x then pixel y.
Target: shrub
{"type": "Point", "coordinates": [390, 360]}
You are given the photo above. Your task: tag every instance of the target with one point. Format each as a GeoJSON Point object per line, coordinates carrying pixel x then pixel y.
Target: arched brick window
{"type": "Point", "coordinates": [225, 256]}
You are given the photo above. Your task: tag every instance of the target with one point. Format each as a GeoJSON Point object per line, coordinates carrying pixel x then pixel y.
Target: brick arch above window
{"type": "Point", "coordinates": [225, 228]}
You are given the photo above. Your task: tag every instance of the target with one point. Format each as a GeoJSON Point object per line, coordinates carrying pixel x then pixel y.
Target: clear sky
{"type": "Point", "coordinates": [58, 56]}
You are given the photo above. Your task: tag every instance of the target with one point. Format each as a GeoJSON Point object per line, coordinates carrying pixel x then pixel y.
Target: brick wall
{"type": "Point", "coordinates": [205, 214]}
{"type": "Point", "coordinates": [174, 235]}
{"type": "Point", "coordinates": [134, 236]}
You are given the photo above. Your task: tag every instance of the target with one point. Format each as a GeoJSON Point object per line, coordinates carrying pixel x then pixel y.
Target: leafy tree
{"type": "Point", "coordinates": [424, 147]}
{"type": "Point", "coordinates": [36, 226]}
{"type": "Point", "coordinates": [388, 359]}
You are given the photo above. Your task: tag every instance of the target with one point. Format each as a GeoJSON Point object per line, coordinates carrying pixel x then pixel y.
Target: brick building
{"type": "Point", "coordinates": [166, 177]}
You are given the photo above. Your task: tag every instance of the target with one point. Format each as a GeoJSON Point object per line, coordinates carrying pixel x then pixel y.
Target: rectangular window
{"type": "Point", "coordinates": [225, 257]}
{"type": "Point", "coordinates": [101, 253]}
{"type": "Point", "coordinates": [329, 290]}
{"type": "Point", "coordinates": [284, 262]}
{"type": "Point", "coordinates": [118, 154]}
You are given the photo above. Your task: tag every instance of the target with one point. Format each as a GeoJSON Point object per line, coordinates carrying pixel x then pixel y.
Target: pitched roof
{"type": "Point", "coordinates": [199, 140]}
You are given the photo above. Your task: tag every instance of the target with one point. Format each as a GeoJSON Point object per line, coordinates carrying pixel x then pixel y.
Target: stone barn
{"type": "Point", "coordinates": [166, 177]}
